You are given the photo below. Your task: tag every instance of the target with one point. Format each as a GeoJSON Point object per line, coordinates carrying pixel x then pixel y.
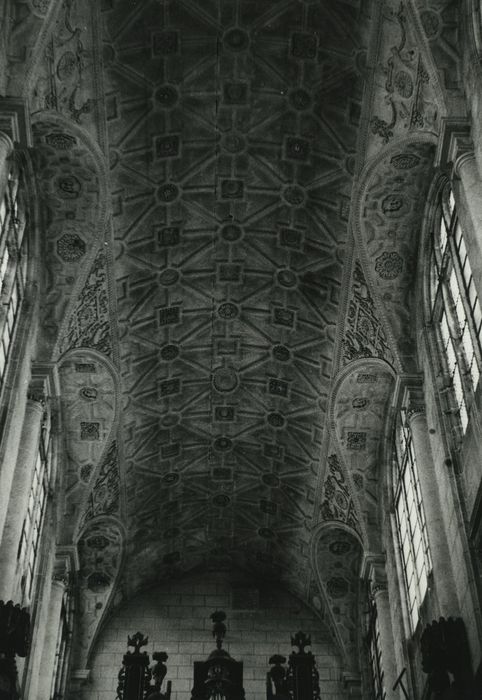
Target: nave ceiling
{"type": "Point", "coordinates": [232, 197]}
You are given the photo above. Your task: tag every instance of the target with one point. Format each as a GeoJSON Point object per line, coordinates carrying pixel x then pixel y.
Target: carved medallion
{"type": "Point", "coordinates": [221, 500]}
{"type": "Point", "coordinates": [231, 233]}
{"type": "Point", "coordinates": [235, 93]}
{"type": "Point", "coordinates": [356, 440]}
{"type": "Point", "coordinates": [403, 84]}
{"type": "Point", "coordinates": [236, 39]}
{"type": "Point", "coordinates": [389, 265]}
{"type": "Point", "coordinates": [405, 161]}
{"type": "Point", "coordinates": [339, 548]}
{"type": "Point", "coordinates": [169, 352]}
{"type": "Point", "coordinates": [300, 99]}
{"type": "Point", "coordinates": [337, 587]}
{"type": "Point", "coordinates": [287, 278]}
{"type": "Point", "coordinates": [275, 419]}
{"type": "Point", "coordinates": [222, 444]}
{"type": "Point", "coordinates": [89, 431]}
{"type": "Point", "coordinates": [88, 393]}
{"type": "Point", "coordinates": [234, 143]}
{"type": "Point", "coordinates": [68, 187]}
{"type": "Point", "coordinates": [167, 193]}
{"type": "Point", "coordinates": [168, 277]}
{"type": "Point", "coordinates": [67, 65]}
{"type": "Point", "coordinates": [294, 195]}
{"type": "Point", "coordinates": [71, 247]}
{"type": "Point", "coordinates": [392, 204]}
{"type": "Point", "coordinates": [167, 96]}
{"type": "Point", "coordinates": [98, 582]}
{"type": "Point", "coordinates": [271, 480]}
{"type": "Point", "coordinates": [430, 23]}
{"type": "Point", "coordinates": [281, 353]}
{"type": "Point", "coordinates": [60, 141]}
{"type": "Point", "coordinates": [169, 315]}
{"type": "Point", "coordinates": [171, 478]}
{"type": "Point", "coordinates": [232, 189]}
{"type": "Point", "coordinates": [225, 380]}
{"type": "Point", "coordinates": [227, 310]}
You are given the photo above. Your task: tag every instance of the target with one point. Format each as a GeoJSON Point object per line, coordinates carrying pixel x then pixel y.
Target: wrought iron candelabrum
{"type": "Point", "coordinates": [220, 677]}
{"type": "Point", "coordinates": [136, 674]}
{"type": "Point", "coordinates": [300, 680]}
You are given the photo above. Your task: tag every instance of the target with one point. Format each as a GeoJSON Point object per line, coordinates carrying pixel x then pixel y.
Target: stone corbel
{"type": "Point", "coordinates": [352, 684]}
{"type": "Point", "coordinates": [455, 145]}
{"type": "Point", "coordinates": [15, 122]}
{"type": "Point", "coordinates": [65, 566]}
{"type": "Point", "coordinates": [373, 571]}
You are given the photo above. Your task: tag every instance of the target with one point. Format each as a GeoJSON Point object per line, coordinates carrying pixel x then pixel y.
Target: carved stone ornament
{"type": "Point", "coordinates": [389, 265]}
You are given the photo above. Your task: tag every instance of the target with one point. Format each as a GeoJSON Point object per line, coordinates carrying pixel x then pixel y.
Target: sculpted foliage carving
{"type": "Point", "coordinates": [364, 334]}
{"type": "Point", "coordinates": [89, 325]}
{"type": "Point", "coordinates": [391, 217]}
{"type": "Point", "coordinates": [64, 82]}
{"type": "Point", "coordinates": [406, 99]}
{"type": "Point", "coordinates": [337, 501]}
{"type": "Point", "coordinates": [104, 499]}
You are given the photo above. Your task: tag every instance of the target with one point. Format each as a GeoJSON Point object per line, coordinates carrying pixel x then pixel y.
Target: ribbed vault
{"type": "Point", "coordinates": [232, 129]}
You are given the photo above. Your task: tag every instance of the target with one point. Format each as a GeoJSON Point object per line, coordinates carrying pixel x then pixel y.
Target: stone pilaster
{"type": "Point", "coordinates": [379, 592]}
{"type": "Point", "coordinates": [63, 570]}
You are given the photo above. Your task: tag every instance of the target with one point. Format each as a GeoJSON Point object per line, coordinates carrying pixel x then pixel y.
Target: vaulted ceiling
{"type": "Point", "coordinates": [232, 195]}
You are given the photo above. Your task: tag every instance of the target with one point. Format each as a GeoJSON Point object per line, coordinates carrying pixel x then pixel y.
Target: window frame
{"type": "Point", "coordinates": [13, 262]}
{"type": "Point", "coordinates": [32, 528]}
{"type": "Point", "coordinates": [411, 525]}
{"type": "Point", "coordinates": [455, 308]}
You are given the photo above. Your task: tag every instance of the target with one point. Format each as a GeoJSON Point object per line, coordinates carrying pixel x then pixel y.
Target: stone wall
{"type": "Point", "coordinates": [176, 618]}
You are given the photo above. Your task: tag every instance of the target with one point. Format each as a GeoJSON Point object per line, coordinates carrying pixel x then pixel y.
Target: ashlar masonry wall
{"type": "Point", "coordinates": [176, 618]}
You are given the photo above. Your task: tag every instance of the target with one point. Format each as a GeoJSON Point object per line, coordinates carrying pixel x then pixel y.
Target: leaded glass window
{"type": "Point", "coordinates": [411, 525]}
{"type": "Point", "coordinates": [455, 305]}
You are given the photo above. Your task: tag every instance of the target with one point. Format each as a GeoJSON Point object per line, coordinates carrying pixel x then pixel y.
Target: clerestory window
{"type": "Point", "coordinates": [411, 525]}
{"type": "Point", "coordinates": [455, 305]}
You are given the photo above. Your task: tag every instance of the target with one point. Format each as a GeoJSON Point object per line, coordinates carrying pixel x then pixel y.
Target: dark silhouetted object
{"type": "Point", "coordinates": [446, 660]}
{"type": "Point", "coordinates": [300, 681]}
{"type": "Point", "coordinates": [14, 641]}
{"type": "Point", "coordinates": [220, 677]}
{"type": "Point", "coordinates": [135, 675]}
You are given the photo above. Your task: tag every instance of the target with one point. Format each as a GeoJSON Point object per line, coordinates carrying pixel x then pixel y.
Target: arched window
{"type": "Point", "coordinates": [411, 526]}
{"type": "Point", "coordinates": [13, 261]}
{"type": "Point", "coordinates": [455, 306]}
